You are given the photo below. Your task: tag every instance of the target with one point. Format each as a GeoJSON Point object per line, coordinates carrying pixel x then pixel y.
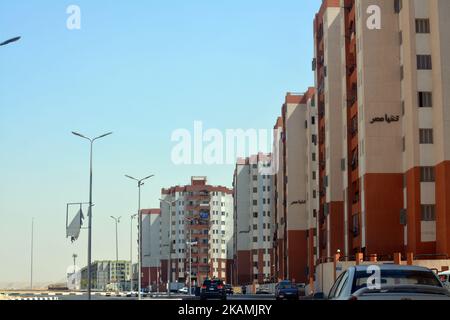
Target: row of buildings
{"type": "Point", "coordinates": [360, 162]}
{"type": "Point", "coordinates": [363, 156]}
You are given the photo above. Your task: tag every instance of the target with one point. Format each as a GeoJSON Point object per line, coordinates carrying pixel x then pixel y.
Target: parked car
{"type": "Point", "coordinates": [184, 290]}
{"type": "Point", "coordinates": [301, 289]}
{"type": "Point", "coordinates": [396, 283]}
{"type": "Point", "coordinates": [213, 289]}
{"type": "Point", "coordinates": [262, 290]}
{"type": "Point", "coordinates": [132, 294]}
{"type": "Point", "coordinates": [244, 290]}
{"type": "Point", "coordinates": [445, 279]}
{"type": "Point", "coordinates": [229, 289]}
{"type": "Point", "coordinates": [286, 290]}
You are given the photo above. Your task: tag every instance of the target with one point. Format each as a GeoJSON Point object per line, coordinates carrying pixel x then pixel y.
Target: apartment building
{"type": "Point", "coordinates": [107, 275]}
{"type": "Point", "coordinates": [253, 219]}
{"type": "Point", "coordinates": [424, 40]}
{"type": "Point", "coordinates": [291, 189]}
{"type": "Point", "coordinates": [198, 213]}
{"type": "Point", "coordinates": [328, 81]}
{"type": "Point", "coordinates": [151, 249]}
{"type": "Point", "coordinates": [383, 168]}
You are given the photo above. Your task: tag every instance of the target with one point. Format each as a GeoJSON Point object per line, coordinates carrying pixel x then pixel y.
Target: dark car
{"type": "Point", "coordinates": [286, 290]}
{"type": "Point", "coordinates": [213, 289]}
{"type": "Point", "coordinates": [229, 289]}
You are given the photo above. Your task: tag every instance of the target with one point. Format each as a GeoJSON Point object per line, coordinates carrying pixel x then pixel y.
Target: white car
{"type": "Point", "coordinates": [396, 283]}
{"type": "Point", "coordinates": [184, 290]}
{"type": "Point", "coordinates": [445, 279]}
{"type": "Point", "coordinates": [132, 294]}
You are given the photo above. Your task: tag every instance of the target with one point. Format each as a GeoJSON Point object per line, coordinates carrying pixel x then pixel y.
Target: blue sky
{"type": "Point", "coordinates": [141, 69]}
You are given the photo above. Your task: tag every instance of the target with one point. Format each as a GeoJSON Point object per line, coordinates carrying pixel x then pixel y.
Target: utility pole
{"type": "Point", "coordinates": [140, 183]}
{"type": "Point", "coordinates": [117, 221]}
{"type": "Point", "coordinates": [131, 251]}
{"type": "Point", "coordinates": [90, 207]}
{"type": "Point", "coordinates": [32, 248]}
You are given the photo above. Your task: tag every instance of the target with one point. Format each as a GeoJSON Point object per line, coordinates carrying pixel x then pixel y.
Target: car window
{"type": "Point", "coordinates": [397, 277]}
{"type": "Point", "coordinates": [340, 290]}
{"type": "Point", "coordinates": [335, 286]}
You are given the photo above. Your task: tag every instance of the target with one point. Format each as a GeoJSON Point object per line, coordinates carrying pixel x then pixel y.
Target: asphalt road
{"type": "Point", "coordinates": [113, 298]}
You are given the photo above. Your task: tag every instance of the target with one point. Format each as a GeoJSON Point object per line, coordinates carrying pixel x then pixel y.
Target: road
{"type": "Point", "coordinates": [97, 297]}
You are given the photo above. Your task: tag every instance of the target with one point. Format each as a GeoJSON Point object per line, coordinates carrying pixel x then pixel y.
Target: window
{"type": "Point", "coordinates": [336, 285]}
{"type": "Point", "coordinates": [422, 25]}
{"type": "Point", "coordinates": [313, 120]}
{"type": "Point", "coordinates": [398, 5]}
{"type": "Point", "coordinates": [428, 212]}
{"type": "Point", "coordinates": [425, 99]}
{"type": "Point", "coordinates": [255, 190]}
{"type": "Point", "coordinates": [255, 239]}
{"type": "Point", "coordinates": [255, 214]}
{"type": "Point", "coordinates": [427, 174]}
{"type": "Point", "coordinates": [342, 285]}
{"type": "Point", "coordinates": [355, 227]}
{"type": "Point", "coordinates": [314, 175]}
{"type": "Point", "coordinates": [255, 202]}
{"type": "Point", "coordinates": [424, 62]}
{"type": "Point", "coordinates": [426, 136]}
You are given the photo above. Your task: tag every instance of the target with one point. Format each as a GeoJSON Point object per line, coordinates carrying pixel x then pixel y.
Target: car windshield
{"type": "Point", "coordinates": [287, 285]}
{"type": "Point", "coordinates": [210, 283]}
{"type": "Point", "coordinates": [397, 277]}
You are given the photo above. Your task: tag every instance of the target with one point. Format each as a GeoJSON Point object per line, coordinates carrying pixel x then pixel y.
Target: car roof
{"type": "Point", "coordinates": [445, 273]}
{"type": "Point", "coordinates": [388, 267]}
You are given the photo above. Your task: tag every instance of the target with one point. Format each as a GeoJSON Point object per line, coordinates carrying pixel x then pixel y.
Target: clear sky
{"type": "Point", "coordinates": [141, 69]}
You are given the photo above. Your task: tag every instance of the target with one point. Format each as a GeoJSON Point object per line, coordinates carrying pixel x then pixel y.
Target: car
{"type": "Point", "coordinates": [262, 290]}
{"type": "Point", "coordinates": [213, 289]}
{"type": "Point", "coordinates": [286, 290]}
{"type": "Point", "coordinates": [395, 282]}
{"type": "Point", "coordinates": [301, 289]}
{"type": "Point", "coordinates": [445, 279]}
{"type": "Point", "coordinates": [131, 294]}
{"type": "Point", "coordinates": [184, 290]}
{"type": "Point", "coordinates": [229, 289]}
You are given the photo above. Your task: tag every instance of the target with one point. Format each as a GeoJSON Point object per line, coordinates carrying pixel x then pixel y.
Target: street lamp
{"type": "Point", "coordinates": [4, 43]}
{"type": "Point", "coordinates": [117, 221]}
{"type": "Point", "coordinates": [190, 244]}
{"type": "Point", "coordinates": [32, 251]}
{"type": "Point", "coordinates": [140, 183]}
{"type": "Point", "coordinates": [74, 256]}
{"type": "Point", "coordinates": [169, 265]}
{"type": "Point", "coordinates": [131, 250]}
{"type": "Point", "coordinates": [90, 208]}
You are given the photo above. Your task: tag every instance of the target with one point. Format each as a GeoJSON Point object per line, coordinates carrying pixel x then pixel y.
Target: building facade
{"type": "Point", "coordinates": [201, 214]}
{"type": "Point", "coordinates": [381, 70]}
{"type": "Point", "coordinates": [253, 220]}
{"type": "Point", "coordinates": [151, 250]}
{"type": "Point", "coordinates": [294, 223]}
{"type": "Point", "coordinates": [107, 275]}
